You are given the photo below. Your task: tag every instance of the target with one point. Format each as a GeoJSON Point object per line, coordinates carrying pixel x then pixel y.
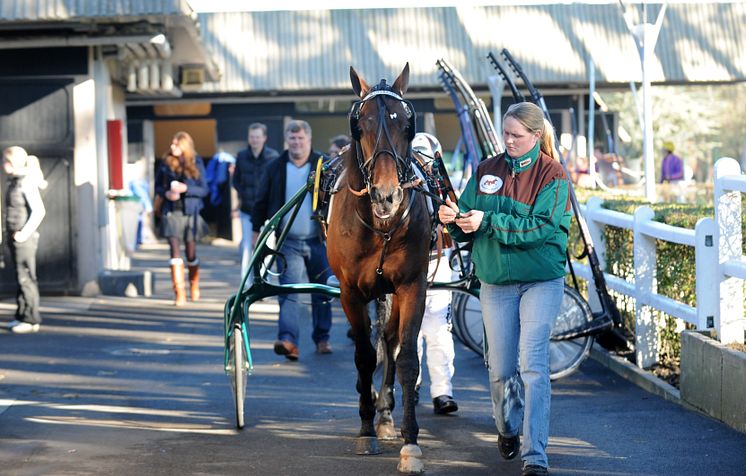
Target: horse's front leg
{"type": "Point", "coordinates": [365, 361]}
{"type": "Point", "coordinates": [387, 323]}
{"type": "Point", "coordinates": [411, 304]}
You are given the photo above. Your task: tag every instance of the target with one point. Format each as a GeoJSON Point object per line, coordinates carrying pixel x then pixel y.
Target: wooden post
{"type": "Point", "coordinates": [706, 253]}
{"type": "Point", "coordinates": [729, 323]}
{"type": "Point", "coordinates": [646, 345]}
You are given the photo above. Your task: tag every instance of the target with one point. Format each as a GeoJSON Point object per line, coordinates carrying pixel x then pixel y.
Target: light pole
{"type": "Point", "coordinates": [646, 35]}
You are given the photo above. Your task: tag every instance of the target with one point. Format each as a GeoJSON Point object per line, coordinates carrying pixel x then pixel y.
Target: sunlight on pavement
{"type": "Point", "coordinates": [576, 447]}
{"type": "Point", "coordinates": [295, 430]}
{"type": "Point", "coordinates": [172, 428]}
{"type": "Point", "coordinates": [82, 419]}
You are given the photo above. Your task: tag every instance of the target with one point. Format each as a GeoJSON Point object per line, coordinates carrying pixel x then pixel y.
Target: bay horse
{"type": "Point", "coordinates": [378, 242]}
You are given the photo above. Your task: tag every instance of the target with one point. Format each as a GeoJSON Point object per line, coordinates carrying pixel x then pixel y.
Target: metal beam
{"type": "Point", "coordinates": [56, 42]}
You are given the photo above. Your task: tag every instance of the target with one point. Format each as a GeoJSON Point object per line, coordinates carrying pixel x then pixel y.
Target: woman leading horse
{"type": "Point", "coordinates": [378, 242]}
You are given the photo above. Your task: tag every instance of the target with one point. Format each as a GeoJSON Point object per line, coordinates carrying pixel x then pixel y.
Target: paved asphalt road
{"type": "Point", "coordinates": [134, 386]}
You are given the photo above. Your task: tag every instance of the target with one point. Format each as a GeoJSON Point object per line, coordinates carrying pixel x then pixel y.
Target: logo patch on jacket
{"type": "Point", "coordinates": [490, 183]}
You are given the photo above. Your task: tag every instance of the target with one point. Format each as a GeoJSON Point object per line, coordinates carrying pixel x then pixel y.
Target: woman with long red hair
{"type": "Point", "coordinates": [180, 181]}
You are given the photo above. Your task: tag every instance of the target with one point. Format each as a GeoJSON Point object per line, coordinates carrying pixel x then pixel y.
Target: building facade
{"type": "Point", "coordinates": [80, 78]}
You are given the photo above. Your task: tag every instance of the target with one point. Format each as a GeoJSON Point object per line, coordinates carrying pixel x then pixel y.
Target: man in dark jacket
{"type": "Point", "coordinates": [304, 251]}
{"type": "Point", "coordinates": [249, 167]}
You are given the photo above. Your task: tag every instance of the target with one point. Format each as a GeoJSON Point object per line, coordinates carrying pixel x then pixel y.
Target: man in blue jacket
{"type": "Point", "coordinates": [249, 167]}
{"type": "Point", "coordinates": [303, 249]}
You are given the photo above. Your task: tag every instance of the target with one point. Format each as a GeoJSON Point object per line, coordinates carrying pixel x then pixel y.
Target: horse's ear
{"type": "Point", "coordinates": [401, 83]}
{"type": "Point", "coordinates": [358, 84]}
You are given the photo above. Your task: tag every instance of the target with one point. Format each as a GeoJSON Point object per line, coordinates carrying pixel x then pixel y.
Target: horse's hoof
{"type": "Point", "coordinates": [367, 445]}
{"type": "Point", "coordinates": [410, 460]}
{"type": "Point", "coordinates": [386, 431]}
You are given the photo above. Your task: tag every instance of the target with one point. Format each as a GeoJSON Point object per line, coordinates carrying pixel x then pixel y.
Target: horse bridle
{"type": "Point", "coordinates": [404, 170]}
{"type": "Point", "coordinates": [404, 167]}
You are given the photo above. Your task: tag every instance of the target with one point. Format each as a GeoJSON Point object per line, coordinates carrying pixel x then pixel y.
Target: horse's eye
{"type": "Point", "coordinates": [369, 122]}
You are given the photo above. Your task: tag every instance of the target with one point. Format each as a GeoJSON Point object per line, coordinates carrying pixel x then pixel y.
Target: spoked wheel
{"type": "Point", "coordinates": [456, 327]}
{"type": "Point", "coordinates": [467, 321]}
{"type": "Point", "coordinates": [237, 371]}
{"type": "Point", "coordinates": [565, 356]}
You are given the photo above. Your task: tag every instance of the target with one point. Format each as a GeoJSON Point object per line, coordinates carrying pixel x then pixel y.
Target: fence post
{"type": "Point", "coordinates": [646, 345]}
{"type": "Point", "coordinates": [706, 275]}
{"type": "Point", "coordinates": [596, 232]}
{"type": "Point", "coordinates": [729, 321]}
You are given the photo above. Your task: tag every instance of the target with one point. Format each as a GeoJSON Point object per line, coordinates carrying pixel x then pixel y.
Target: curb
{"type": "Point", "coordinates": [636, 375]}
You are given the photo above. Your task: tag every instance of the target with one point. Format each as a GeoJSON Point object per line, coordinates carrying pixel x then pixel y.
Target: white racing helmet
{"type": "Point", "coordinates": [426, 146]}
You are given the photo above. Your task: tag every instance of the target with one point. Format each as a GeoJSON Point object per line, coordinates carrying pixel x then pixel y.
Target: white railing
{"type": "Point", "coordinates": [719, 263]}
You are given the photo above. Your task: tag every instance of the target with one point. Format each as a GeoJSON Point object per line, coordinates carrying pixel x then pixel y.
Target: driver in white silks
{"type": "Point", "coordinates": [436, 325]}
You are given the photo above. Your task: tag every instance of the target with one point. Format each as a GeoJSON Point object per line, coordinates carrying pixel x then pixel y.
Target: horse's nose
{"type": "Point", "coordinates": [386, 195]}
{"type": "Point", "coordinates": [398, 195]}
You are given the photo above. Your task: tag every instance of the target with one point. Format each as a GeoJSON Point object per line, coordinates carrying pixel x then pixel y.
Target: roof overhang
{"type": "Point", "coordinates": [146, 54]}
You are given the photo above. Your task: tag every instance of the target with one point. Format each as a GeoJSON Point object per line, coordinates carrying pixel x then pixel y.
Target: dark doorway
{"type": "Point", "coordinates": [38, 116]}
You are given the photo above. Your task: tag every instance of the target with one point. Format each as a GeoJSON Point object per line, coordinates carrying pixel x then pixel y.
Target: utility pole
{"type": "Point", "coordinates": [646, 35]}
{"type": "Point", "coordinates": [590, 142]}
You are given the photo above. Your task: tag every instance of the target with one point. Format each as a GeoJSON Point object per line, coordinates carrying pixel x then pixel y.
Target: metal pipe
{"type": "Point", "coordinates": [132, 76]}
{"type": "Point", "coordinates": [155, 75]}
{"type": "Point", "coordinates": [57, 42]}
{"type": "Point", "coordinates": [167, 78]}
{"type": "Point", "coordinates": [590, 141]}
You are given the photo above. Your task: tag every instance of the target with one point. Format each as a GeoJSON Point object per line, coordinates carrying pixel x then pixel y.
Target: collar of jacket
{"type": "Point", "coordinates": [312, 158]}
{"type": "Point", "coordinates": [251, 152]}
{"type": "Point", "coordinates": [519, 164]}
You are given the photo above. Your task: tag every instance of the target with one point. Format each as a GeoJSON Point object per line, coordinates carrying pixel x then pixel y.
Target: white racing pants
{"type": "Point", "coordinates": [436, 334]}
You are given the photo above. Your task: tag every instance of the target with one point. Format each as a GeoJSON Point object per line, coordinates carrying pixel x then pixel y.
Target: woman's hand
{"type": "Point", "coordinates": [447, 213]}
{"type": "Point", "coordinates": [172, 196]}
{"type": "Point", "coordinates": [470, 221]}
{"type": "Point", "coordinates": [178, 187]}
{"type": "Point", "coordinates": [19, 237]}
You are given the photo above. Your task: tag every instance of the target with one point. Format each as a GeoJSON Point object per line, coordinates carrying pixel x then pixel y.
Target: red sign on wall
{"type": "Point", "coordinates": [114, 132]}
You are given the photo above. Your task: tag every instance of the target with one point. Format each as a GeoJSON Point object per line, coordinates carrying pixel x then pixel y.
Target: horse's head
{"type": "Point", "coordinates": [382, 125]}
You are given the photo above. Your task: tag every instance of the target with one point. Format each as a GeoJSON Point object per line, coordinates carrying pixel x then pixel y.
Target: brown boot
{"type": "Point", "coordinates": [194, 280]}
{"type": "Point", "coordinates": [177, 280]}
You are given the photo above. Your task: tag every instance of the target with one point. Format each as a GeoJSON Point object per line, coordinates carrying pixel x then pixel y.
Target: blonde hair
{"type": "Point", "coordinates": [532, 118]}
{"type": "Point", "coordinates": [26, 166]}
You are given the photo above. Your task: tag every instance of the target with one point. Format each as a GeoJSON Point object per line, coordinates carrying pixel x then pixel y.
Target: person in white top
{"type": "Point", "coordinates": [435, 332]}
{"type": "Point", "coordinates": [24, 212]}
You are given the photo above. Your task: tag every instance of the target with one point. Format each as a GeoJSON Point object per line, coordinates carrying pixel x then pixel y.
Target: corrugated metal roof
{"type": "Point", "coordinates": [49, 10]}
{"type": "Point", "coordinates": [312, 50]}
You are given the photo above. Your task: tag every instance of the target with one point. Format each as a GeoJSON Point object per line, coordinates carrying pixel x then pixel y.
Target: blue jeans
{"type": "Point", "coordinates": [305, 262]}
{"type": "Point", "coordinates": [518, 320]}
{"type": "Point", "coordinates": [245, 248]}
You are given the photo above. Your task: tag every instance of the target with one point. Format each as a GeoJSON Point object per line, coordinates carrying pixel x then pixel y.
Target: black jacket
{"type": "Point", "coordinates": [271, 192]}
{"type": "Point", "coordinates": [248, 173]}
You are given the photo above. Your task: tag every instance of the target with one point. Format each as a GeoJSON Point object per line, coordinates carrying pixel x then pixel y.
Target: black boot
{"type": "Point", "coordinates": [444, 404]}
{"type": "Point", "coordinates": [509, 446]}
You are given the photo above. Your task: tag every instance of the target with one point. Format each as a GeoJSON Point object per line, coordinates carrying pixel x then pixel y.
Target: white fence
{"type": "Point", "coordinates": [720, 264]}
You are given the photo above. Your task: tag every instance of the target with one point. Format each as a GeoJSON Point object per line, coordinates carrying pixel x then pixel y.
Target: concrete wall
{"type": "Point", "coordinates": [87, 238]}
{"type": "Point", "coordinates": [95, 100]}
{"type": "Point", "coordinates": [713, 378]}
